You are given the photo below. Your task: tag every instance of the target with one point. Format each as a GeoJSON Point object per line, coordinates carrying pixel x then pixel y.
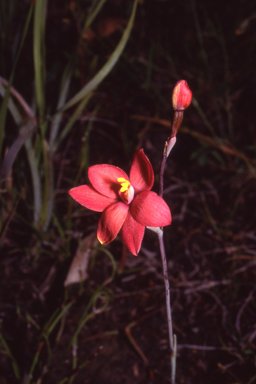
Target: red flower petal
{"type": "Point", "coordinates": [132, 234]}
{"type": "Point", "coordinates": [89, 198]}
{"type": "Point", "coordinates": [141, 173]}
{"type": "Point", "coordinates": [104, 179]}
{"type": "Point", "coordinates": [150, 210]}
{"type": "Point", "coordinates": [111, 222]}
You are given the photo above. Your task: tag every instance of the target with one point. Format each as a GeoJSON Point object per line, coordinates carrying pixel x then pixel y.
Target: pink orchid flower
{"type": "Point", "coordinates": [126, 203]}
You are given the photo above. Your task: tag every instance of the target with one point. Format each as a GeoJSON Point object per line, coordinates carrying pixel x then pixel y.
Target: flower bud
{"type": "Point", "coordinates": [181, 96]}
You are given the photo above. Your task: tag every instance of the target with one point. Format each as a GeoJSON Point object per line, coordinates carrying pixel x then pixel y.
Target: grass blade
{"type": "Point", "coordinates": [104, 71]}
{"type": "Point", "coordinates": [62, 98]}
{"type": "Point", "coordinates": [93, 14]}
{"type": "Point", "coordinates": [38, 51]}
{"type": "Point", "coordinates": [66, 78]}
{"type": "Point", "coordinates": [35, 180]}
{"type": "Point", "coordinates": [12, 107]}
{"type": "Point", "coordinates": [73, 118]}
{"type": "Point", "coordinates": [8, 351]}
{"type": "Point", "coordinates": [25, 132]}
{"type": "Point", "coordinates": [4, 105]}
{"type": "Point", "coordinates": [24, 137]}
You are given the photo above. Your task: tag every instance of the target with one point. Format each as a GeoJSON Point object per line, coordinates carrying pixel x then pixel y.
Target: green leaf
{"type": "Point", "coordinates": [4, 105]}
{"type": "Point", "coordinates": [66, 79]}
{"type": "Point", "coordinates": [39, 53]}
{"type": "Point", "coordinates": [8, 352]}
{"type": "Point", "coordinates": [23, 137]}
{"type": "Point", "coordinates": [104, 71]}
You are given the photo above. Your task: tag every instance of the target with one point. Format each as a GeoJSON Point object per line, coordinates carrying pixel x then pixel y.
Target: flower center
{"type": "Point", "coordinates": [126, 192]}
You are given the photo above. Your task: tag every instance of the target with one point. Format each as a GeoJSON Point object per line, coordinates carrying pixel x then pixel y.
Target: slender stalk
{"type": "Point", "coordinates": [169, 144]}
{"type": "Point", "coordinates": [172, 337]}
{"type": "Point", "coordinates": [181, 99]}
{"type": "Point", "coordinates": [167, 289]}
{"type": "Point", "coordinates": [173, 359]}
{"type": "Point", "coordinates": [161, 181]}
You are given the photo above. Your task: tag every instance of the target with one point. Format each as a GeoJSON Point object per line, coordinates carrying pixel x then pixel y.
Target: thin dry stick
{"type": "Point", "coordinates": [241, 310]}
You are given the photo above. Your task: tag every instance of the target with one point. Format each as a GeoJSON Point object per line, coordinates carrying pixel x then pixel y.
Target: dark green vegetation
{"type": "Point", "coordinates": [52, 334]}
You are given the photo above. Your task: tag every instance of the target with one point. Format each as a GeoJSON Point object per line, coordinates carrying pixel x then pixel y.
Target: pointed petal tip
{"type": "Point", "coordinates": [111, 222]}
{"type": "Point", "coordinates": [71, 191]}
{"type": "Point", "coordinates": [141, 173]}
{"type": "Point", "coordinates": [150, 210]}
{"type": "Point", "coordinates": [132, 234]}
{"type": "Point", "coordinates": [101, 241]}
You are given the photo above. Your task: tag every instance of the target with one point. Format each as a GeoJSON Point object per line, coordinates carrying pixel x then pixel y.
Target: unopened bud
{"type": "Point", "coordinates": [181, 96]}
